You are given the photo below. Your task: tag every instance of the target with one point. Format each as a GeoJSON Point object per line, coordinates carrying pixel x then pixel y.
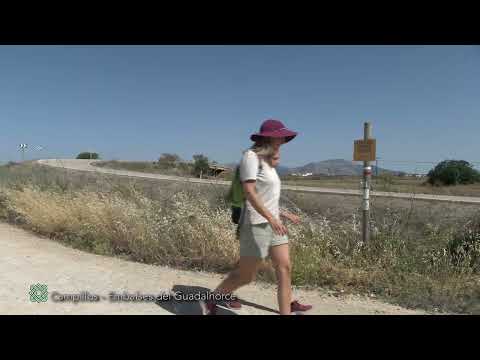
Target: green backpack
{"type": "Point", "coordinates": [236, 196]}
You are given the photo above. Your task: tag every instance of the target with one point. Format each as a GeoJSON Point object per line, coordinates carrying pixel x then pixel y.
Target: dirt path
{"type": "Point", "coordinates": [28, 259]}
{"type": "Point", "coordinates": [85, 165]}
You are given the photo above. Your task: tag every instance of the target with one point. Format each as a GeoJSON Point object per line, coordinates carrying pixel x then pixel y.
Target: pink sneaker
{"type": "Point", "coordinates": [209, 307]}
{"type": "Point", "coordinates": [233, 304]}
{"type": "Point", "coordinates": [296, 306]}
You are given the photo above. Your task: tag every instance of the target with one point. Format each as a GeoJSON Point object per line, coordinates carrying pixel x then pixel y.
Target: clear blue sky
{"type": "Point", "coordinates": [136, 102]}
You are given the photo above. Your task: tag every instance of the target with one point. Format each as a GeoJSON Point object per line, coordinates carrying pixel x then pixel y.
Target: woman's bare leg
{"type": "Point", "coordinates": [242, 275]}
{"type": "Point", "coordinates": [281, 261]}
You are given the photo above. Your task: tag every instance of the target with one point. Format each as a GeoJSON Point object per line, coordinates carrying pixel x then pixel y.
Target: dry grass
{"type": "Point", "coordinates": [178, 232]}
{"type": "Point", "coordinates": [406, 262]}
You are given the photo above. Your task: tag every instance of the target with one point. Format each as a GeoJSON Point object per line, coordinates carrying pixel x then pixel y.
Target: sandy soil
{"type": "Point", "coordinates": [29, 259]}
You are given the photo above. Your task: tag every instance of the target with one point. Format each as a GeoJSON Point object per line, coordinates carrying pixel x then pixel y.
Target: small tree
{"type": "Point", "coordinates": [453, 172]}
{"type": "Point", "coordinates": [167, 161]}
{"type": "Point", "coordinates": [200, 165]}
{"type": "Point", "coordinates": [88, 155]}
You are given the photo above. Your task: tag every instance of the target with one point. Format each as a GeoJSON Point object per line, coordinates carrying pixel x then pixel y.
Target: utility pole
{"type": "Point", "coordinates": [367, 174]}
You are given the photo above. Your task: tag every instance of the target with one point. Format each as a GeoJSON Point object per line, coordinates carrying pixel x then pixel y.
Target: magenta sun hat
{"type": "Point", "coordinates": [274, 128]}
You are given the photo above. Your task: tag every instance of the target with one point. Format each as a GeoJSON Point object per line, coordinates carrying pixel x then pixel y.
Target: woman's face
{"type": "Point", "coordinates": [276, 142]}
{"type": "Point", "coordinates": [275, 159]}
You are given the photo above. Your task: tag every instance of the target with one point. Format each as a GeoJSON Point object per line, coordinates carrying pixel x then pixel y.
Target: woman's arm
{"type": "Point", "coordinates": [251, 195]}
{"type": "Point", "coordinates": [292, 217]}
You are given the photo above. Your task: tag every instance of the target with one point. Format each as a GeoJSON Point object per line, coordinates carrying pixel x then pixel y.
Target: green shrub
{"type": "Point", "coordinates": [453, 172]}
{"type": "Point", "coordinates": [200, 165]}
{"type": "Point", "coordinates": [168, 161]}
{"type": "Point", "coordinates": [88, 155]}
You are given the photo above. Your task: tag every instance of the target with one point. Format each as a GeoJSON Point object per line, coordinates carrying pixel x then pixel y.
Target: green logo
{"type": "Point", "coordinates": [38, 293]}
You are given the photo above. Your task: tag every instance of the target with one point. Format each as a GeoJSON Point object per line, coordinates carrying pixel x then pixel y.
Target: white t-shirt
{"type": "Point", "coordinates": [267, 186]}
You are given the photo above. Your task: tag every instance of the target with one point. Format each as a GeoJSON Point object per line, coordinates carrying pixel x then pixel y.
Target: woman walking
{"type": "Point", "coordinates": [262, 233]}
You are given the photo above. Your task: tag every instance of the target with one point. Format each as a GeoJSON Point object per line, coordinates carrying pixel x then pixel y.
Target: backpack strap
{"type": "Point", "coordinates": [242, 214]}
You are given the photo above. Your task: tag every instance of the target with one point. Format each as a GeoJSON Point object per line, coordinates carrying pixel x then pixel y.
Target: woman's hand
{"type": "Point", "coordinates": [278, 227]}
{"type": "Point", "coordinates": [292, 217]}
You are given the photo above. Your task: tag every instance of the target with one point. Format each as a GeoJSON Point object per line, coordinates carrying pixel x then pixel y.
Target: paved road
{"type": "Point", "coordinates": [28, 259]}
{"type": "Point", "coordinates": [85, 165]}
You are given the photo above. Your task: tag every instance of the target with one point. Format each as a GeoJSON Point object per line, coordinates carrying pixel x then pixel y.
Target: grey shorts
{"type": "Point", "coordinates": [256, 240]}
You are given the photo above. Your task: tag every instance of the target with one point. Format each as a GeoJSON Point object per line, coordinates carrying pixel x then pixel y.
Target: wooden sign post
{"type": "Point", "coordinates": [365, 150]}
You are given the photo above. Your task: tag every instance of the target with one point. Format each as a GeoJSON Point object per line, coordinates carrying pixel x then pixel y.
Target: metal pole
{"type": "Point", "coordinates": [23, 147]}
{"type": "Point", "coordinates": [367, 174]}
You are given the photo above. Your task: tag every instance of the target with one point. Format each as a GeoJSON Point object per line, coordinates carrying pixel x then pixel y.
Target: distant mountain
{"type": "Point", "coordinates": [333, 167]}
{"type": "Point", "coordinates": [336, 167]}
{"type": "Point", "coordinates": [283, 170]}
